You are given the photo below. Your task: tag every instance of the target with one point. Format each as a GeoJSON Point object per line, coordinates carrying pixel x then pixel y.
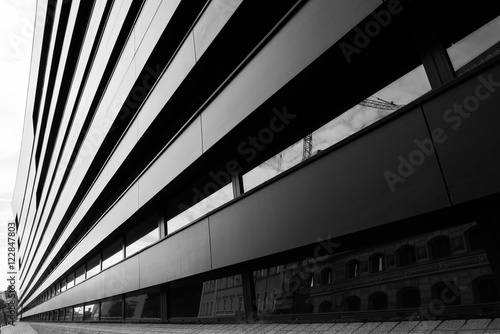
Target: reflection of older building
{"type": "Point", "coordinates": [448, 266]}
{"type": "Point", "coordinates": [222, 297]}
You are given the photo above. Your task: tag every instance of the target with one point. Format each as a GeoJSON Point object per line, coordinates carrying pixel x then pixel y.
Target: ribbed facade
{"type": "Point", "coordinates": [231, 160]}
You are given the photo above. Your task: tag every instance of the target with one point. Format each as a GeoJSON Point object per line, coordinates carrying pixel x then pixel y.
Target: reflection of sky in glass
{"type": "Point", "coordinates": [474, 44]}
{"type": "Point", "coordinates": [145, 241]}
{"type": "Point", "coordinates": [288, 158]}
{"type": "Point", "coordinates": [112, 259]}
{"type": "Point", "coordinates": [211, 202]}
{"type": "Point", "coordinates": [80, 275]}
{"type": "Point", "coordinates": [212, 21]}
{"type": "Point", "coordinates": [78, 315]}
{"type": "Point", "coordinates": [92, 271]}
{"type": "Point", "coordinates": [401, 92]}
{"type": "Point", "coordinates": [71, 281]}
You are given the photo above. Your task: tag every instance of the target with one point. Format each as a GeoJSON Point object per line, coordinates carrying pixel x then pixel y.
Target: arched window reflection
{"type": "Point", "coordinates": [352, 269]}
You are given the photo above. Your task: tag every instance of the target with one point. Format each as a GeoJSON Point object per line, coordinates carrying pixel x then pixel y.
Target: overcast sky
{"type": "Point", "coordinates": [16, 31]}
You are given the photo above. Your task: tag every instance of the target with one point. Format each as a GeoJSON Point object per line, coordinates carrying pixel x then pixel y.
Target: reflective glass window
{"type": "Point", "coordinates": [208, 299]}
{"type": "Point", "coordinates": [93, 266]}
{"type": "Point", "coordinates": [476, 48]}
{"type": "Point", "coordinates": [91, 312]}
{"type": "Point", "coordinates": [68, 314]}
{"type": "Point", "coordinates": [201, 208]}
{"type": "Point", "coordinates": [112, 254]}
{"type": "Point", "coordinates": [144, 234]}
{"type": "Point", "coordinates": [80, 275]}
{"type": "Point", "coordinates": [440, 247]}
{"type": "Point", "coordinates": [382, 103]}
{"type": "Point", "coordinates": [143, 305]}
{"type": "Point", "coordinates": [457, 279]}
{"type": "Point", "coordinates": [63, 285]}
{"type": "Point", "coordinates": [71, 280]}
{"type": "Point", "coordinates": [78, 313]}
{"type": "Point", "coordinates": [112, 309]}
{"type": "Point", "coordinates": [474, 239]}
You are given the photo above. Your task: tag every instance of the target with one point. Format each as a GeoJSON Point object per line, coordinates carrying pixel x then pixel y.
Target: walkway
{"type": "Point", "coordinates": [19, 328]}
{"type": "Point", "coordinates": [472, 326]}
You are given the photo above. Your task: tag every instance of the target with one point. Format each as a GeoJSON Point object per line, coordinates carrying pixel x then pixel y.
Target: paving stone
{"type": "Point", "coordinates": [367, 327]}
{"type": "Point", "coordinates": [18, 328]}
{"type": "Point", "coordinates": [386, 326]}
{"type": "Point", "coordinates": [427, 325]}
{"type": "Point", "coordinates": [314, 326]}
{"type": "Point", "coordinates": [470, 331]}
{"type": "Point", "coordinates": [495, 324]}
{"type": "Point", "coordinates": [280, 326]}
{"type": "Point", "coordinates": [420, 332]}
{"type": "Point", "coordinates": [350, 328]}
{"type": "Point", "coordinates": [302, 327]}
{"type": "Point", "coordinates": [325, 326]}
{"type": "Point", "coordinates": [405, 326]}
{"type": "Point", "coordinates": [474, 324]}
{"type": "Point", "coordinates": [450, 325]}
{"type": "Point", "coordinates": [339, 326]}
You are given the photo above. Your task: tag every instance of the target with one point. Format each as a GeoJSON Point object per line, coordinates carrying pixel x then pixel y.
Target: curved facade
{"type": "Point", "coordinates": [232, 160]}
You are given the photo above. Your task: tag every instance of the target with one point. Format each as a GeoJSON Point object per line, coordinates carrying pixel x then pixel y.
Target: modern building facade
{"type": "Point", "coordinates": [230, 160]}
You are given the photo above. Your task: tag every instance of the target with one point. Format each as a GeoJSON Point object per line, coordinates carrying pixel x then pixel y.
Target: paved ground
{"type": "Point", "coordinates": [472, 326]}
{"type": "Point", "coordinates": [19, 328]}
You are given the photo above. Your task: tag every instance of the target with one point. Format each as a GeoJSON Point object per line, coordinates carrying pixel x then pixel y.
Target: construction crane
{"type": "Point", "coordinates": [380, 104]}
{"type": "Point", "coordinates": [377, 104]}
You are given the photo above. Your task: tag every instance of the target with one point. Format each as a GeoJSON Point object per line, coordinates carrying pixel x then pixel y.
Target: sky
{"type": "Point", "coordinates": [16, 31]}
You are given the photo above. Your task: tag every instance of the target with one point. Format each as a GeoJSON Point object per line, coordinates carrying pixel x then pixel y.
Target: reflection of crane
{"type": "Point", "coordinates": [308, 146]}
{"type": "Point", "coordinates": [380, 104]}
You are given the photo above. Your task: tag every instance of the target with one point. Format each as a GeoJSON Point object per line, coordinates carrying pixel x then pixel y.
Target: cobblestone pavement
{"type": "Point", "coordinates": [471, 326]}
{"type": "Point", "coordinates": [18, 328]}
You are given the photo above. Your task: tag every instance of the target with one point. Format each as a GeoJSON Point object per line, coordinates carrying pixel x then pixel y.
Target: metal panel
{"type": "Point", "coordinates": [343, 192]}
{"type": "Point", "coordinates": [180, 255]}
{"type": "Point", "coordinates": [211, 23]}
{"type": "Point", "coordinates": [183, 151]}
{"type": "Point", "coordinates": [120, 212]}
{"type": "Point", "coordinates": [122, 278]}
{"type": "Point", "coordinates": [309, 33]}
{"type": "Point", "coordinates": [118, 13]}
{"type": "Point", "coordinates": [176, 72]}
{"type": "Point", "coordinates": [470, 155]}
{"type": "Point", "coordinates": [148, 29]}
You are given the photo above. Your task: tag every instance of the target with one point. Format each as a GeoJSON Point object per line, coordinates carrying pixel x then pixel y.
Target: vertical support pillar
{"type": "Point", "coordinates": [489, 229]}
{"type": "Point", "coordinates": [434, 57]}
{"type": "Point", "coordinates": [249, 293]}
{"type": "Point", "coordinates": [237, 181]}
{"type": "Point", "coordinates": [124, 307]}
{"type": "Point", "coordinates": [124, 247]}
{"type": "Point", "coordinates": [162, 224]}
{"type": "Point", "coordinates": [164, 307]}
